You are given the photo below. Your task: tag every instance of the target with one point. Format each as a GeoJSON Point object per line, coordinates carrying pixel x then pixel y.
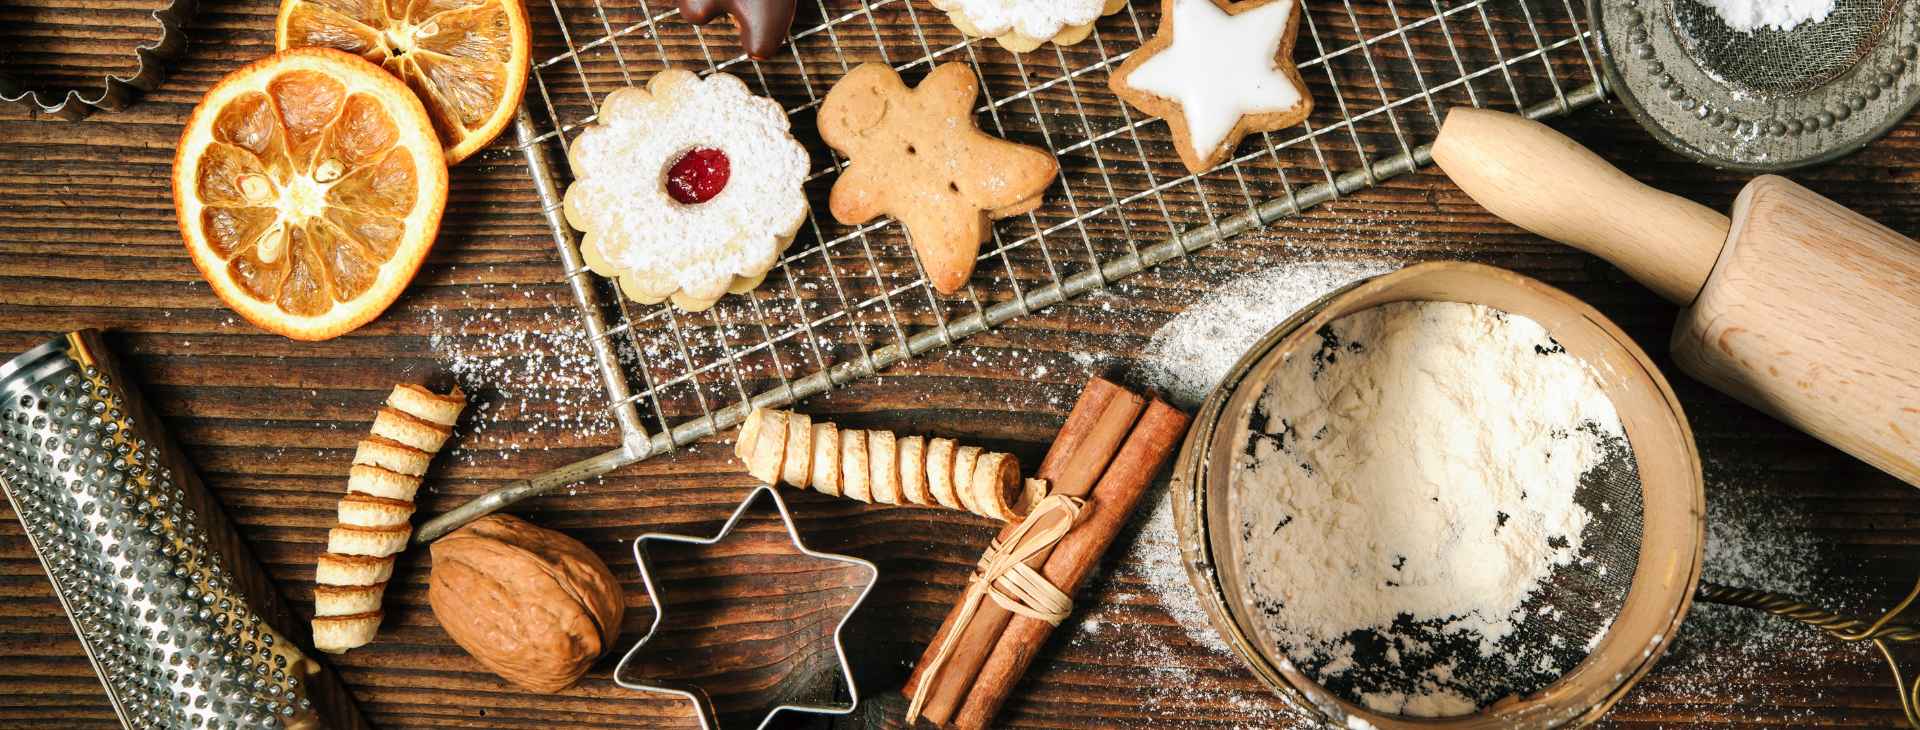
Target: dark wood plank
{"type": "Point", "coordinates": [88, 239]}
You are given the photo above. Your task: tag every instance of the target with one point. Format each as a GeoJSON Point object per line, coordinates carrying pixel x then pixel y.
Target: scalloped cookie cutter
{"type": "Point", "coordinates": [117, 92]}
{"type": "Point", "coordinates": [701, 701]}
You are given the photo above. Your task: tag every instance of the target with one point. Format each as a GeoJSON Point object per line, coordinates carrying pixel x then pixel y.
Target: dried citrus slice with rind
{"type": "Point", "coordinates": [467, 59]}
{"type": "Point", "coordinates": [309, 186]}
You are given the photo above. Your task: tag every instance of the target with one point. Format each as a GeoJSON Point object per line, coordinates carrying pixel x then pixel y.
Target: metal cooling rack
{"type": "Point", "coordinates": [846, 302]}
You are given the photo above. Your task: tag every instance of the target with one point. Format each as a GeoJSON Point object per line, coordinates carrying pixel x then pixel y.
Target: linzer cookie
{"type": "Point", "coordinates": [687, 189]}
{"type": "Point", "coordinates": [1217, 72]}
{"type": "Point", "coordinates": [1024, 25]}
{"type": "Point", "coordinates": [879, 467]}
{"type": "Point", "coordinates": [916, 155]}
{"type": "Point", "coordinates": [763, 23]}
{"type": "Point", "coordinates": [352, 576]}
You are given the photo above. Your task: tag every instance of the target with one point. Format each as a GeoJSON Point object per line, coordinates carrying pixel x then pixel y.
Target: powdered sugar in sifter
{"type": "Point", "coordinates": [1768, 100]}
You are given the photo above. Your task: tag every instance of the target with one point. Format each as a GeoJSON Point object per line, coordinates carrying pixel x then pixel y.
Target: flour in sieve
{"type": "Point", "coordinates": [1420, 467]}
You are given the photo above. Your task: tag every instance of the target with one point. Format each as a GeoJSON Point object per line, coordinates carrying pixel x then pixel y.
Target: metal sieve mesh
{"type": "Point", "coordinates": [1773, 62]}
{"type": "Point", "coordinates": [1565, 617]}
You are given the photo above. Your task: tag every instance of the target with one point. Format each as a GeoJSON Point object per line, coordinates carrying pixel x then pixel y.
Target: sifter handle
{"type": "Point", "coordinates": [1536, 178]}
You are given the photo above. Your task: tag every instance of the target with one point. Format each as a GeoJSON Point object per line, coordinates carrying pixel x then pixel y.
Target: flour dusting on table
{"type": "Point", "coordinates": [1420, 465]}
{"type": "Point", "coordinates": [1733, 658]}
{"type": "Point", "coordinates": [1180, 670]}
{"type": "Point", "coordinates": [1191, 353]}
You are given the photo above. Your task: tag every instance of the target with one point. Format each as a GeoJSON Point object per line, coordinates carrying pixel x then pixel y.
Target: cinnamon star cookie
{"type": "Point", "coordinates": [915, 154]}
{"type": "Point", "coordinates": [1218, 71]}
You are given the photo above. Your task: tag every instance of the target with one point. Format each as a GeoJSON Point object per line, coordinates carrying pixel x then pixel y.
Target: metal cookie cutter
{"type": "Point", "coordinates": [116, 92]}
{"type": "Point", "coordinates": [701, 701]}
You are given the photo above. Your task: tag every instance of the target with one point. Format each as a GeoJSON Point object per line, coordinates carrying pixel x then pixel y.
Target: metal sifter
{"type": "Point", "coordinates": [178, 620]}
{"type": "Point", "coordinates": [1594, 627]}
{"type": "Point", "coordinates": [1768, 100]}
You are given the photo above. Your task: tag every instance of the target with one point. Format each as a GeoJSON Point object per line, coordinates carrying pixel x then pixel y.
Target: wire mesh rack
{"type": "Point", "coordinates": [847, 301]}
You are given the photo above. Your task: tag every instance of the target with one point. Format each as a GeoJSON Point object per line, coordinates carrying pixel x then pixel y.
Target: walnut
{"type": "Point", "coordinates": [535, 606]}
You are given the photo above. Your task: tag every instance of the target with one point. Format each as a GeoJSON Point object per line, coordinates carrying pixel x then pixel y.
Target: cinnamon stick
{"type": "Point", "coordinates": [1093, 402]}
{"type": "Point", "coordinates": [1092, 434]}
{"type": "Point", "coordinates": [1158, 434]}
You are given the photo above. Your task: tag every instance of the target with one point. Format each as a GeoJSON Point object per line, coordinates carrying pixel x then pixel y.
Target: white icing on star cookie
{"type": "Point", "coordinates": [658, 247]}
{"type": "Point", "coordinates": [1224, 75]}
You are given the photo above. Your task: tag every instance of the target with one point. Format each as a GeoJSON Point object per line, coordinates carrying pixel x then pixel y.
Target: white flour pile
{"type": "Point", "coordinates": [1747, 16]}
{"type": "Point", "coordinates": [1420, 466]}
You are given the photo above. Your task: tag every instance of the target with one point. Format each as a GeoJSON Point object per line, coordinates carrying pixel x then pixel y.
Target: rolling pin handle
{"type": "Point", "coordinates": [1540, 180]}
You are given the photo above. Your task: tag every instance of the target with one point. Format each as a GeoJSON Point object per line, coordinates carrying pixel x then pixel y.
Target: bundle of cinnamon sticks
{"type": "Point", "coordinates": [1113, 444]}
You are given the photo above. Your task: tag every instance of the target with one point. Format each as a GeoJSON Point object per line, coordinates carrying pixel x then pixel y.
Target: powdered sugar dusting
{"type": "Point", "coordinates": [531, 378]}
{"type": "Point", "coordinates": [1191, 353]}
{"type": "Point", "coordinates": [1733, 657]}
{"type": "Point", "coordinates": [1177, 670]}
{"type": "Point", "coordinates": [1035, 19]}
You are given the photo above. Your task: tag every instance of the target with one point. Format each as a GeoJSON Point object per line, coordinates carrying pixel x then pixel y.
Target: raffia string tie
{"type": "Point", "coordinates": [1005, 577]}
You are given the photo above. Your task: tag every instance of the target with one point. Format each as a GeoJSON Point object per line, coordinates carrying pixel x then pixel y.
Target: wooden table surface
{"type": "Point", "coordinates": [88, 239]}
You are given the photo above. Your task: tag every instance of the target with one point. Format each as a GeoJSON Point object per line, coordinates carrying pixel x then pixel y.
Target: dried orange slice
{"type": "Point", "coordinates": [309, 185]}
{"type": "Point", "coordinates": [467, 59]}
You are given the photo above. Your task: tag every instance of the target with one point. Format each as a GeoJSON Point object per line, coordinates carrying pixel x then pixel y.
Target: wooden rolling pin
{"type": "Point", "coordinates": [1797, 306]}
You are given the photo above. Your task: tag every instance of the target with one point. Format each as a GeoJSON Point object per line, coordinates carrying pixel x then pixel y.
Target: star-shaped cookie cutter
{"type": "Point", "coordinates": [695, 694]}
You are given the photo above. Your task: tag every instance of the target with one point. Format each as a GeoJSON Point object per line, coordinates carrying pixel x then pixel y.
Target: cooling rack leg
{"type": "Point", "coordinates": [633, 437]}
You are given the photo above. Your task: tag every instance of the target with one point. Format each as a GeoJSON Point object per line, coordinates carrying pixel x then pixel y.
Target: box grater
{"type": "Point", "coordinates": [178, 620]}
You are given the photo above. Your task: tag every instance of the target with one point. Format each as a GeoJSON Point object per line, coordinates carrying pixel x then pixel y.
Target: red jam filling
{"type": "Point", "coordinates": [698, 176]}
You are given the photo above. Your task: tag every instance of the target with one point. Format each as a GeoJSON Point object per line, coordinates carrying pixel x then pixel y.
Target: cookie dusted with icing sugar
{"type": "Point", "coordinates": [1024, 25]}
{"type": "Point", "coordinates": [1217, 72]}
{"type": "Point", "coordinates": [687, 189]}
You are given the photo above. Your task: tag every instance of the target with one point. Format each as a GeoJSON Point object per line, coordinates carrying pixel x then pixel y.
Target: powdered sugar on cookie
{"type": "Point", "coordinates": [659, 247]}
{"type": "Point", "coordinates": [1038, 19]}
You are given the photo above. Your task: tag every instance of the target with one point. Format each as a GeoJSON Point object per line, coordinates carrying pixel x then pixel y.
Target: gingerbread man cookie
{"type": "Point", "coordinates": [915, 154]}
{"type": "Point", "coordinates": [1218, 71]}
{"type": "Point", "coordinates": [763, 23]}
{"type": "Point", "coordinates": [1024, 25]}
{"type": "Point", "coordinates": [687, 189]}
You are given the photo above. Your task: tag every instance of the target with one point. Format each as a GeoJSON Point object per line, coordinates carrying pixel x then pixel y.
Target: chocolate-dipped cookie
{"type": "Point", "coordinates": [763, 23]}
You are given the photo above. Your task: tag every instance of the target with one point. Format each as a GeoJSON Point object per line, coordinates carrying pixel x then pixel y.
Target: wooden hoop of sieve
{"type": "Point", "coordinates": [1673, 533]}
